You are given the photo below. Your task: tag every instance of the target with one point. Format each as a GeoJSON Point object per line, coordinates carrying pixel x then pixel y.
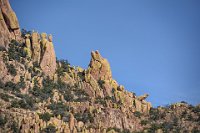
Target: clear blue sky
{"type": "Point", "coordinates": [153, 46]}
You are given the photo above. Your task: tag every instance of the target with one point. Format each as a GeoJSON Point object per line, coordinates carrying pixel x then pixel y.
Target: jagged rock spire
{"type": "Point", "coordinates": [99, 67]}
{"type": "Point", "coordinates": [48, 59]}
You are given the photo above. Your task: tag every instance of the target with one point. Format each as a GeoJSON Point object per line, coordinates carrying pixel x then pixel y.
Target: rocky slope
{"type": "Point", "coordinates": [41, 94]}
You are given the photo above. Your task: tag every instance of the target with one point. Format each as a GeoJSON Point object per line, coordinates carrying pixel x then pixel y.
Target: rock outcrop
{"type": "Point", "coordinates": [36, 47]}
{"type": "Point", "coordinates": [40, 94]}
{"type": "Point", "coordinates": [9, 26]}
{"type": "Point", "coordinates": [42, 52]}
{"type": "Point", "coordinates": [99, 67]}
{"type": "Point", "coordinates": [48, 59]}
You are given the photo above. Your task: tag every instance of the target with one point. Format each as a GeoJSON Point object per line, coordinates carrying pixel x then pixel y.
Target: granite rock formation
{"type": "Point", "coordinates": [41, 94]}
{"type": "Point", "coordinates": [9, 26]}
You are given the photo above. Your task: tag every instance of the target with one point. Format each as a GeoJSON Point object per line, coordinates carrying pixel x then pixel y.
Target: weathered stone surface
{"type": "Point", "coordinates": [71, 122]}
{"type": "Point", "coordinates": [28, 48]}
{"type": "Point", "coordinates": [138, 105]}
{"type": "Point", "coordinates": [142, 106]}
{"type": "Point", "coordinates": [100, 68]}
{"type": "Point", "coordinates": [43, 42]}
{"type": "Point", "coordinates": [36, 48]}
{"type": "Point", "coordinates": [9, 26]}
{"type": "Point", "coordinates": [48, 60]}
{"type": "Point", "coordinates": [143, 97]}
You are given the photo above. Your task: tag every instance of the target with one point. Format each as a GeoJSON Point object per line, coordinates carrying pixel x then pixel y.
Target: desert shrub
{"type": "Point", "coordinates": [46, 91]}
{"type": "Point", "coordinates": [26, 102]}
{"type": "Point", "coordinates": [126, 131]}
{"type": "Point", "coordinates": [59, 109]}
{"type": "Point", "coordinates": [3, 121]}
{"type": "Point", "coordinates": [80, 92]}
{"type": "Point", "coordinates": [154, 114]}
{"type": "Point", "coordinates": [30, 69]}
{"type": "Point", "coordinates": [48, 85]}
{"type": "Point", "coordinates": [137, 114]}
{"type": "Point", "coordinates": [184, 114]}
{"type": "Point", "coordinates": [68, 96]}
{"type": "Point", "coordinates": [37, 92]}
{"type": "Point", "coordinates": [175, 121]}
{"type": "Point", "coordinates": [82, 99]}
{"type": "Point", "coordinates": [15, 104]}
{"type": "Point", "coordinates": [10, 86]}
{"type": "Point", "coordinates": [16, 51]}
{"type": "Point", "coordinates": [144, 122]}
{"type": "Point", "coordinates": [190, 118]}
{"type": "Point", "coordinates": [49, 129]}
{"type": "Point", "coordinates": [45, 117]}
{"type": "Point", "coordinates": [63, 67]}
{"type": "Point", "coordinates": [101, 83]}
{"type": "Point", "coordinates": [154, 127]}
{"type": "Point", "coordinates": [21, 84]}
{"type": "Point", "coordinates": [166, 126]}
{"type": "Point", "coordinates": [2, 85]}
{"type": "Point", "coordinates": [24, 32]}
{"type": "Point", "coordinates": [36, 64]}
{"type": "Point", "coordinates": [81, 95]}
{"type": "Point", "coordinates": [184, 102]}
{"type": "Point", "coordinates": [101, 101]}
{"type": "Point", "coordinates": [5, 97]}
{"type": "Point", "coordinates": [11, 69]}
{"type": "Point", "coordinates": [195, 130]}
{"type": "Point", "coordinates": [2, 48]}
{"type": "Point", "coordinates": [113, 129]}
{"type": "Point", "coordinates": [62, 86]}
{"type": "Point", "coordinates": [196, 109]}
{"type": "Point", "coordinates": [14, 127]}
{"type": "Point", "coordinates": [110, 98]}
{"type": "Point", "coordinates": [84, 117]}
{"type": "Point", "coordinates": [117, 130]}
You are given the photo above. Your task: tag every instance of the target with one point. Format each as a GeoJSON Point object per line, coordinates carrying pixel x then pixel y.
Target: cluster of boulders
{"type": "Point", "coordinates": [99, 69]}
{"type": "Point", "coordinates": [40, 48]}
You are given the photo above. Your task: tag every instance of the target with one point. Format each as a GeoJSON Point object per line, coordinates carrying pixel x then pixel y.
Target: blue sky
{"type": "Point", "coordinates": [153, 46]}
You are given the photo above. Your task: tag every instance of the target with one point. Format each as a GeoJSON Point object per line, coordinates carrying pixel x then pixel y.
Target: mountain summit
{"type": "Point", "coordinates": [41, 94]}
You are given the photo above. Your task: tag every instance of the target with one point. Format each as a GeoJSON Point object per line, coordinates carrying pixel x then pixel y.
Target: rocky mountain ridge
{"type": "Point", "coordinates": [41, 94]}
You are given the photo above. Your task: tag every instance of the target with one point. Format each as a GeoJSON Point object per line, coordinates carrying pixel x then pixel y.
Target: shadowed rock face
{"type": "Point", "coordinates": [9, 26]}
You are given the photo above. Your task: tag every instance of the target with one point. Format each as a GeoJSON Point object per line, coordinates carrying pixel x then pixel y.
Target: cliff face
{"type": "Point", "coordinates": [9, 26]}
{"type": "Point", "coordinates": [41, 94]}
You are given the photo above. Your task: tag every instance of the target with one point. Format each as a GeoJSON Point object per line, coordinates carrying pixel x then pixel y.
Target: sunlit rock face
{"type": "Point", "coordinates": [9, 26]}
{"type": "Point", "coordinates": [48, 59]}
{"type": "Point", "coordinates": [99, 67]}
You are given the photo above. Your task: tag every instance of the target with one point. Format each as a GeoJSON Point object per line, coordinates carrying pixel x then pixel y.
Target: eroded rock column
{"type": "Point", "coordinates": [48, 60]}
{"type": "Point", "coordinates": [36, 48]}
